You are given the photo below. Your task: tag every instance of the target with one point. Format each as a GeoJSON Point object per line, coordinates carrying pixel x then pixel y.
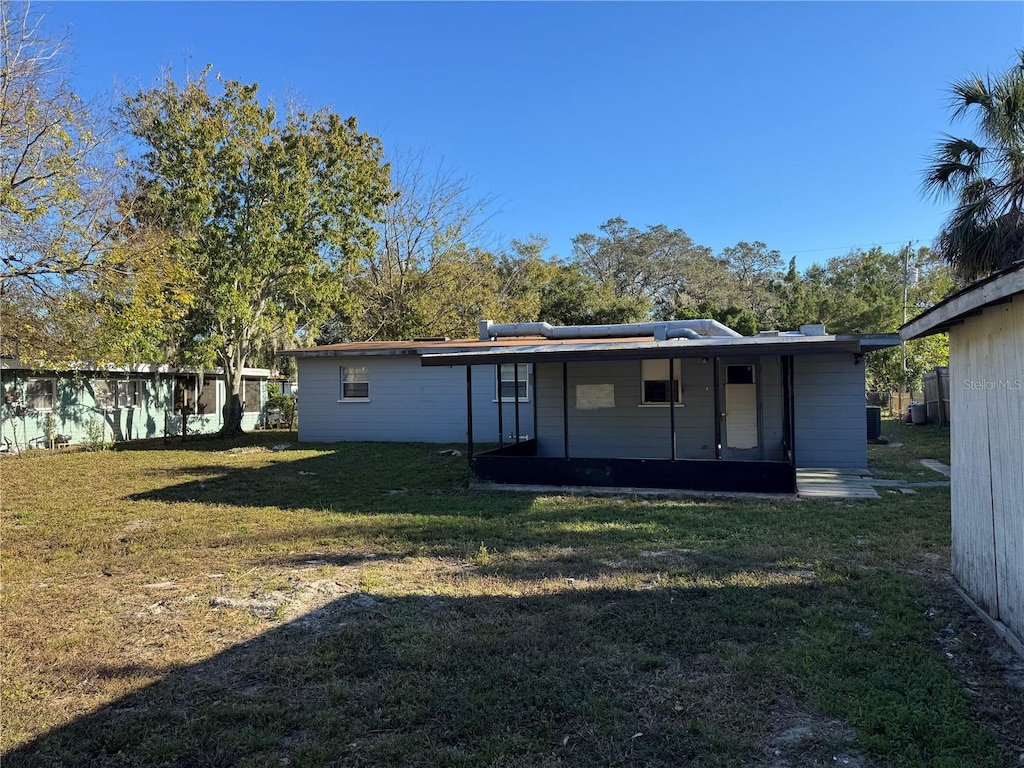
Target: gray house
{"type": "Point", "coordinates": [678, 404]}
{"type": "Point", "coordinates": [116, 404]}
{"type": "Point", "coordinates": [379, 391]}
{"type": "Point", "coordinates": [985, 323]}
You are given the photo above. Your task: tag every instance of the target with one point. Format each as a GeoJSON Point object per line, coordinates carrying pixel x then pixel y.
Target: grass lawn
{"type": "Point", "coordinates": [222, 604]}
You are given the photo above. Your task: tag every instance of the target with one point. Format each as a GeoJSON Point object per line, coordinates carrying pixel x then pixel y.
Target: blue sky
{"type": "Point", "coordinates": [804, 125]}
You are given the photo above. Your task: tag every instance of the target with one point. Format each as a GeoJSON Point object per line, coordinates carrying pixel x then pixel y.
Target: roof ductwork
{"type": "Point", "coordinates": [666, 329]}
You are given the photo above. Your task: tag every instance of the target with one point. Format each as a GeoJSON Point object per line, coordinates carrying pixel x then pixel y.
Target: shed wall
{"type": "Point", "coordinates": [829, 412]}
{"type": "Point", "coordinates": [986, 368]}
{"type": "Point", "coordinates": [408, 402]}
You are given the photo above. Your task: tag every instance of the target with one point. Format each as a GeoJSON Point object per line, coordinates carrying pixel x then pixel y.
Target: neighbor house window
{"type": "Point", "coordinates": [207, 402]}
{"type": "Point", "coordinates": [127, 393]}
{"type": "Point", "coordinates": [114, 394]}
{"type": "Point", "coordinates": [251, 399]}
{"type": "Point", "coordinates": [41, 394]}
{"type": "Point", "coordinates": [656, 385]}
{"type": "Point", "coordinates": [184, 395]}
{"type": "Point", "coordinates": [355, 382]}
{"type": "Point", "coordinates": [507, 382]}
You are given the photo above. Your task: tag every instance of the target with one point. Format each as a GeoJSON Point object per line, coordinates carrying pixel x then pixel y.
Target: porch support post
{"type": "Point", "coordinates": [469, 411]}
{"type": "Point", "coordinates": [501, 409]}
{"type": "Point", "coordinates": [533, 395]}
{"type": "Point", "coordinates": [672, 404]}
{"type": "Point", "coordinates": [718, 409]}
{"type": "Point", "coordinates": [515, 383]}
{"type": "Point", "coordinates": [565, 409]}
{"type": "Point", "coordinates": [788, 424]}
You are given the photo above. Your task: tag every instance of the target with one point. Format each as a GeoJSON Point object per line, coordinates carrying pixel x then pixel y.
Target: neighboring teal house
{"type": "Point", "coordinates": [117, 404]}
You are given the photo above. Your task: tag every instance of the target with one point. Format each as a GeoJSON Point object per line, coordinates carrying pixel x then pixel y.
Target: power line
{"type": "Point", "coordinates": [848, 247]}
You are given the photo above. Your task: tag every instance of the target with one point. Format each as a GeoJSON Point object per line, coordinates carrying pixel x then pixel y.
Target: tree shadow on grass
{"type": "Point", "coordinates": [330, 479]}
{"type": "Point", "coordinates": [567, 679]}
{"type": "Point", "coordinates": [656, 677]}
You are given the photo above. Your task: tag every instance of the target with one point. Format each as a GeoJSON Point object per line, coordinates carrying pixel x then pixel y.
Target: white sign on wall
{"type": "Point", "coordinates": [590, 397]}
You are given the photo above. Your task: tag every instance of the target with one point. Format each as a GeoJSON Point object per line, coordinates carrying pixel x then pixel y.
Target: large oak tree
{"type": "Point", "coordinates": [267, 212]}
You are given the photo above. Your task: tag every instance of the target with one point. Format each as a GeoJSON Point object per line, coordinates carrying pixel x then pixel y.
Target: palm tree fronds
{"type": "Point", "coordinates": [984, 174]}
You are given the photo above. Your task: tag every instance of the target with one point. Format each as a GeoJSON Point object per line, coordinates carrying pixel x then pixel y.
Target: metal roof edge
{"type": "Point", "coordinates": [648, 349]}
{"type": "Point", "coordinates": [382, 352]}
{"type": "Point", "coordinates": [952, 310]}
{"type": "Point", "coordinates": [8, 364]}
{"type": "Point", "coordinates": [872, 340]}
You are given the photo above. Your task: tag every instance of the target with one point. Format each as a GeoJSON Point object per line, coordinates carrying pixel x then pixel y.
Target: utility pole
{"type": "Point", "coordinates": [903, 344]}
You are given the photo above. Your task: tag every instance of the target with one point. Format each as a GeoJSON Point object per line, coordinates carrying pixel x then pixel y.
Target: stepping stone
{"type": "Point", "coordinates": [937, 466]}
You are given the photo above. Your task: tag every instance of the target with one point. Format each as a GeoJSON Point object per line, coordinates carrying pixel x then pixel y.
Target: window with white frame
{"type": "Point", "coordinates": [507, 382]}
{"type": "Point", "coordinates": [251, 400]}
{"type": "Point", "coordinates": [116, 394]}
{"type": "Point", "coordinates": [207, 402]}
{"type": "Point", "coordinates": [41, 394]}
{"type": "Point", "coordinates": [355, 382]}
{"type": "Point", "coordinates": [657, 388]}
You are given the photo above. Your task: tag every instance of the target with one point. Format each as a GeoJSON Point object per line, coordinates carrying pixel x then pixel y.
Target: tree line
{"type": "Point", "coordinates": [196, 222]}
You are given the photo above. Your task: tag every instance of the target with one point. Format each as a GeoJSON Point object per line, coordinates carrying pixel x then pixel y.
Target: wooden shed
{"type": "Point", "coordinates": [985, 323]}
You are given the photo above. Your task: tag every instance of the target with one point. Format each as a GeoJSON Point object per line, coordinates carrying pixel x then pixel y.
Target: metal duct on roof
{"type": "Point", "coordinates": [666, 329]}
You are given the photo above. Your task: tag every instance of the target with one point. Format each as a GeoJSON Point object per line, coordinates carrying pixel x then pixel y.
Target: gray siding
{"type": "Point", "coordinates": [829, 412]}
{"type": "Point", "coordinates": [629, 430]}
{"type": "Point", "coordinates": [408, 402]}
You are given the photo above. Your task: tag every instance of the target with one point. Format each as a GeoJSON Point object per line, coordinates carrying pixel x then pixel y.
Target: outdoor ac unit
{"type": "Point", "coordinates": [874, 422]}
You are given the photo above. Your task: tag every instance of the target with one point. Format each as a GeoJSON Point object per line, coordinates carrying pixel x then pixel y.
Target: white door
{"type": "Point", "coordinates": [740, 407]}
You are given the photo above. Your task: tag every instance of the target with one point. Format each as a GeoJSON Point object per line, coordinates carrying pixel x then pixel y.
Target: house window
{"type": "Point", "coordinates": [207, 403]}
{"type": "Point", "coordinates": [251, 399]}
{"type": "Point", "coordinates": [184, 395]}
{"type": "Point", "coordinates": [355, 382]}
{"type": "Point", "coordinates": [114, 394]}
{"type": "Point", "coordinates": [657, 389]}
{"type": "Point", "coordinates": [41, 394]}
{"type": "Point", "coordinates": [128, 393]}
{"type": "Point", "coordinates": [507, 382]}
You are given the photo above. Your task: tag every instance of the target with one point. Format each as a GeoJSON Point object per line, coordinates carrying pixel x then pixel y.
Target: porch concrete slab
{"type": "Point", "coordinates": [937, 466]}
{"type": "Point", "coordinates": [834, 484]}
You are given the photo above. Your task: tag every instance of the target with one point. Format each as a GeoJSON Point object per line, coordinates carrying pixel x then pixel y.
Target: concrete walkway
{"type": "Point", "coordinates": [834, 484]}
{"type": "Point", "coordinates": [853, 484]}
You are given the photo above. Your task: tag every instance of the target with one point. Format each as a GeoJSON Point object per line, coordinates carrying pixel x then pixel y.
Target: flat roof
{"type": "Point", "coordinates": [535, 348]}
{"type": "Point", "coordinates": [413, 347]}
{"type": "Point", "coordinates": [544, 350]}
{"type": "Point", "coordinates": [954, 309]}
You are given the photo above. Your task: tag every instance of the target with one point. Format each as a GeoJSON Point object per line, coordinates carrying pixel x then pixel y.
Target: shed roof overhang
{"type": "Point", "coordinates": [953, 310]}
{"type": "Point", "coordinates": [533, 351]}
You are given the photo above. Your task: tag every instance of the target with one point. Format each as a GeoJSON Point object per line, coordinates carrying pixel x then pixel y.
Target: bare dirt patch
{"type": "Point", "coordinates": [801, 737]}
